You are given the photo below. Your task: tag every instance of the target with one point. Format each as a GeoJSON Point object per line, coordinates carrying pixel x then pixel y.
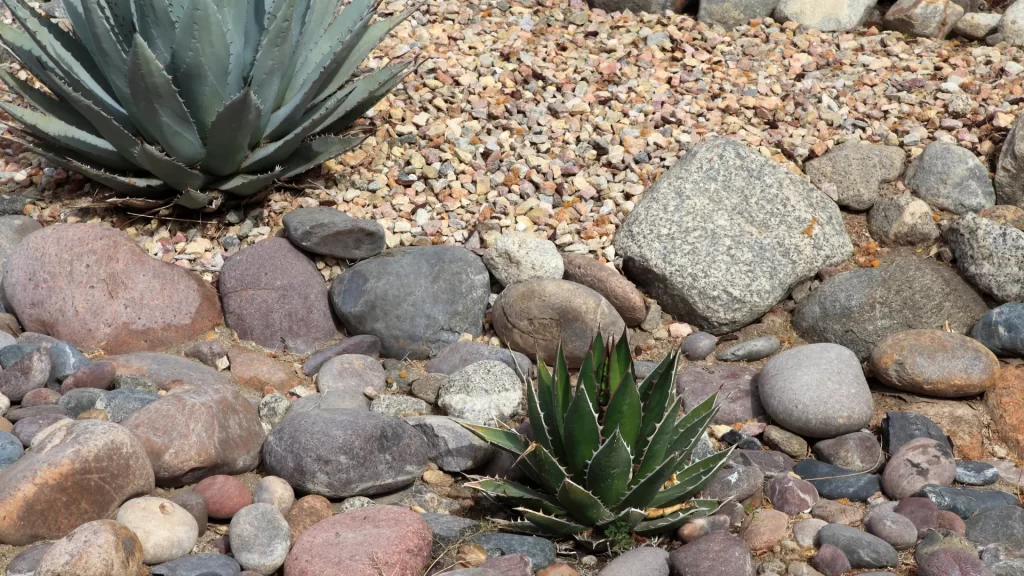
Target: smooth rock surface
{"type": "Point", "coordinates": [461, 354]}
{"type": "Point", "coordinates": [275, 491]}
{"type": "Point", "coordinates": [920, 462]}
{"type": "Point", "coordinates": [331, 232]}
{"type": "Point", "coordinates": [966, 502]}
{"type": "Point", "coordinates": [791, 495]}
{"type": "Point", "coordinates": [342, 453]}
{"type": "Point", "coordinates": [934, 363]}
{"type": "Point", "coordinates": [817, 390]}
{"type": "Point", "coordinates": [736, 386]}
{"type": "Point", "coordinates": [1009, 178]}
{"type": "Point", "coordinates": [307, 512]}
{"type": "Point", "coordinates": [978, 26]}
{"type": "Point", "coordinates": [535, 317]}
{"type": "Point", "coordinates": [349, 375]}
{"type": "Point", "coordinates": [199, 565]}
{"type": "Point", "coordinates": [947, 176]}
{"type": "Point", "coordinates": [1001, 330]}
{"type": "Point", "coordinates": [976, 473]}
{"type": "Point", "coordinates": [858, 309]}
{"type": "Point", "coordinates": [417, 300]}
{"type": "Point", "coordinates": [260, 538]}
{"type": "Point", "coordinates": [616, 289]}
{"type": "Point", "coordinates": [1003, 526]}
{"type": "Point", "coordinates": [732, 13]}
{"type": "Point", "coordinates": [451, 446]}
{"type": "Point", "coordinates": [897, 530]}
{"type": "Point", "coordinates": [751, 350]}
{"type": "Point", "coordinates": [647, 560]}
{"type": "Point", "coordinates": [833, 482]}
{"type": "Point", "coordinates": [862, 549]}
{"type": "Point", "coordinates": [858, 451]}
{"type": "Point", "coordinates": [825, 17]}
{"type": "Point", "coordinates": [364, 345]}
{"type": "Point", "coordinates": [853, 172]}
{"type": "Point", "coordinates": [94, 287]}
{"type": "Point", "coordinates": [224, 495]}
{"type": "Point", "coordinates": [736, 244]}
{"type": "Point", "coordinates": [540, 551]}
{"type": "Point", "coordinates": [165, 530]}
{"type": "Point", "coordinates": [98, 548]}
{"type": "Point", "coordinates": [28, 373]}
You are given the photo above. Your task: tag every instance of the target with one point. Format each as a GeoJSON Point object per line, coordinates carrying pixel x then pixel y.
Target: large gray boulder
{"type": "Point", "coordinates": [990, 255]}
{"type": "Point", "coordinates": [828, 16]}
{"type": "Point", "coordinates": [417, 300]}
{"type": "Point", "coordinates": [1011, 27]}
{"type": "Point", "coordinates": [726, 233]}
{"type": "Point", "coordinates": [1009, 181]}
{"type": "Point", "coordinates": [343, 453]}
{"type": "Point", "coordinates": [858, 309]}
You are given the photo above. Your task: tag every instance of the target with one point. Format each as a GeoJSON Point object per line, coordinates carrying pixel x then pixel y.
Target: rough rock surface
{"type": "Point", "coordinates": [93, 287]}
{"type": "Point", "coordinates": [736, 244]}
{"type": "Point", "coordinates": [100, 548]}
{"type": "Point", "coordinates": [828, 16]}
{"type": "Point", "coordinates": [853, 172]}
{"type": "Point", "coordinates": [925, 18]}
{"type": "Point", "coordinates": [990, 255]}
{"type": "Point", "coordinates": [517, 257]}
{"type": "Point", "coordinates": [902, 220]}
{"type": "Point", "coordinates": [1009, 180]}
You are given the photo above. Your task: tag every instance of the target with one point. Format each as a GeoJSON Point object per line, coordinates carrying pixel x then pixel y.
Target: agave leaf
{"type": "Point", "coordinates": [524, 527]}
{"type": "Point", "coordinates": [234, 15]}
{"type": "Point", "coordinates": [582, 435]}
{"type": "Point", "coordinates": [545, 400]}
{"type": "Point", "coordinates": [692, 479]}
{"type": "Point", "coordinates": [118, 183]}
{"type": "Point", "coordinates": [550, 525]}
{"type": "Point", "coordinates": [664, 436]}
{"type": "Point", "coordinates": [581, 504]}
{"type": "Point", "coordinates": [563, 385]}
{"type": "Point", "coordinates": [610, 469]}
{"type": "Point", "coordinates": [597, 352]}
{"type": "Point", "coordinates": [623, 412]}
{"type": "Point", "coordinates": [255, 21]}
{"type": "Point", "coordinates": [659, 395]}
{"type": "Point", "coordinates": [57, 132]}
{"type": "Point", "coordinates": [642, 490]}
{"type": "Point", "coordinates": [249, 184]}
{"type": "Point", "coordinates": [68, 55]}
{"type": "Point", "coordinates": [588, 381]}
{"type": "Point", "coordinates": [298, 24]}
{"type": "Point", "coordinates": [111, 54]}
{"type": "Point", "coordinates": [272, 59]}
{"type": "Point", "coordinates": [76, 15]}
{"type": "Point", "coordinates": [315, 151]}
{"type": "Point", "coordinates": [112, 132]}
{"type": "Point", "coordinates": [46, 103]}
{"type": "Point", "coordinates": [540, 433]}
{"type": "Point", "coordinates": [508, 440]}
{"type": "Point", "coordinates": [228, 139]}
{"type": "Point", "coordinates": [156, 25]}
{"type": "Point", "coordinates": [201, 62]}
{"type": "Point", "coordinates": [628, 518]}
{"type": "Point", "coordinates": [692, 425]}
{"type": "Point", "coordinates": [518, 494]}
{"type": "Point", "coordinates": [544, 469]}
{"type": "Point", "coordinates": [195, 200]}
{"type": "Point", "coordinates": [177, 8]}
{"type": "Point", "coordinates": [177, 176]}
{"type": "Point", "coordinates": [306, 86]}
{"type": "Point", "coordinates": [695, 509]}
{"type": "Point", "coordinates": [315, 44]}
{"type": "Point", "coordinates": [28, 52]}
{"type": "Point", "coordinates": [648, 383]}
{"type": "Point", "coordinates": [157, 102]}
{"type": "Point", "coordinates": [363, 95]}
{"type": "Point", "coordinates": [355, 57]}
{"type": "Point", "coordinates": [121, 20]}
{"type": "Point", "coordinates": [620, 363]}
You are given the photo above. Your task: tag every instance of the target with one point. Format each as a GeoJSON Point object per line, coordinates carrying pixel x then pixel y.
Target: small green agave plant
{"type": "Point", "coordinates": [196, 99]}
{"type": "Point", "coordinates": [609, 457]}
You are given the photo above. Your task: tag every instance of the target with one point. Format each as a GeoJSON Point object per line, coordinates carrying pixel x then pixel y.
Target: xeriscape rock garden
{"type": "Point", "coordinates": [849, 330]}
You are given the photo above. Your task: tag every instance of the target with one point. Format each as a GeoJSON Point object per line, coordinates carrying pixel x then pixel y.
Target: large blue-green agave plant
{"type": "Point", "coordinates": [193, 99]}
{"type": "Point", "coordinates": [608, 456]}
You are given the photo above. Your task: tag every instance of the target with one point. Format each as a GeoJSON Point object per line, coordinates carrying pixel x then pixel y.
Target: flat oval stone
{"type": "Point", "coordinates": [894, 528]}
{"type": "Point", "coordinates": [921, 511]}
{"type": "Point", "coordinates": [920, 462]}
{"type": "Point", "coordinates": [167, 531]}
{"type": "Point", "coordinates": [862, 549]}
{"type": "Point", "coordinates": [817, 390]}
{"type": "Point", "coordinates": [199, 565]}
{"type": "Point", "coordinates": [934, 363]}
{"type": "Point", "coordinates": [619, 291]}
{"type": "Point", "coordinates": [858, 451]}
{"type": "Point", "coordinates": [699, 345]}
{"type": "Point", "coordinates": [834, 482]}
{"type": "Point", "coordinates": [98, 548]}
{"type": "Point", "coordinates": [792, 495]}
{"type": "Point", "coordinates": [1002, 526]}
{"type": "Point", "coordinates": [260, 538]}
{"type": "Point", "coordinates": [364, 345]}
{"type": "Point", "coordinates": [461, 354]}
{"type": "Point", "coordinates": [330, 232]}
{"type": "Point", "coordinates": [737, 482]}
{"type": "Point", "coordinates": [751, 350]}
{"type": "Point", "coordinates": [648, 560]}
{"type": "Point", "coordinates": [540, 551]}
{"type": "Point", "coordinates": [976, 473]}
{"type": "Point", "coordinates": [736, 386]}
{"type": "Point", "coordinates": [25, 563]}
{"type": "Point", "coordinates": [717, 554]}
{"type": "Point", "coordinates": [953, 563]}
{"type": "Point", "coordinates": [966, 502]}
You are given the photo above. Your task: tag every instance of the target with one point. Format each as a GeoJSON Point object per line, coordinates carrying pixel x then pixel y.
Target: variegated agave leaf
{"type": "Point", "coordinates": [610, 456]}
{"type": "Point", "coordinates": [196, 100]}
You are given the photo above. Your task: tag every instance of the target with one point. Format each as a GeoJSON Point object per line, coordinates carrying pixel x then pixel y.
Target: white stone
{"type": "Point", "coordinates": [481, 393]}
{"type": "Point", "coordinates": [167, 531]}
{"type": "Point", "coordinates": [518, 256]}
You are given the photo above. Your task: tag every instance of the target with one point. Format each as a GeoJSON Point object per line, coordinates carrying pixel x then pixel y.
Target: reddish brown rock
{"type": "Point", "coordinates": [224, 496]}
{"type": "Point", "coordinates": [364, 542]}
{"type": "Point", "coordinates": [26, 429]}
{"type": "Point", "coordinates": [98, 375]}
{"type": "Point", "coordinates": [168, 372]}
{"type": "Point", "coordinates": [40, 397]}
{"type": "Point", "coordinates": [95, 288]}
{"type": "Point", "coordinates": [934, 363]}
{"type": "Point", "coordinates": [78, 473]}
{"type": "Point", "coordinates": [198, 431]}
{"type": "Point", "coordinates": [306, 512]}
{"type": "Point", "coordinates": [274, 296]}
{"type": "Point", "coordinates": [100, 548]}
{"type": "Point", "coordinates": [256, 371]}
{"type": "Point", "coordinates": [620, 292]}
{"type": "Point", "coordinates": [29, 373]}
{"type": "Point", "coordinates": [5, 425]}
{"type": "Point", "coordinates": [946, 520]}
{"type": "Point", "coordinates": [1005, 402]}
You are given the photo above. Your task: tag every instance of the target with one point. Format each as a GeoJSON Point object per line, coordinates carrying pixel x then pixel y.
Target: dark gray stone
{"type": "Point", "coordinates": [448, 530]}
{"type": "Point", "coordinates": [699, 345]}
{"type": "Point", "coordinates": [539, 550]}
{"type": "Point", "coordinates": [343, 453]}
{"type": "Point", "coordinates": [25, 563]}
{"type": "Point", "coordinates": [966, 502]}
{"type": "Point", "coordinates": [65, 360]}
{"type": "Point", "coordinates": [835, 483]}
{"type": "Point", "coordinates": [951, 178]}
{"type": "Point", "coordinates": [363, 345]}
{"type": "Point", "coordinates": [330, 232]}
{"type": "Point", "coordinates": [1002, 330]}
{"type": "Point", "coordinates": [736, 386]}
{"type": "Point", "coordinates": [737, 244]}
{"type": "Point", "coordinates": [79, 400]}
{"type": "Point", "coordinates": [858, 451]}
{"type": "Point", "coordinates": [976, 473]}
{"type": "Point", "coordinates": [862, 549]}
{"type": "Point", "coordinates": [10, 449]}
{"type": "Point", "coordinates": [452, 447]}
{"type": "Point", "coordinates": [735, 482]}
{"type": "Point", "coordinates": [858, 309]}
{"type": "Point", "coordinates": [120, 404]}
{"type": "Point", "coordinates": [817, 390]}
{"type": "Point", "coordinates": [1009, 180]}
{"type": "Point", "coordinates": [750, 350]}
{"type": "Point", "coordinates": [770, 462]}
{"type": "Point", "coordinates": [853, 172]}
{"type": "Point", "coordinates": [199, 565]}
{"type": "Point", "coordinates": [990, 255]}
{"type": "Point", "coordinates": [417, 300]}
{"type": "Point", "coordinates": [1002, 526]}
{"type": "Point", "coordinates": [898, 428]}
{"type": "Point", "coordinates": [14, 352]}
{"type": "Point", "coordinates": [461, 354]}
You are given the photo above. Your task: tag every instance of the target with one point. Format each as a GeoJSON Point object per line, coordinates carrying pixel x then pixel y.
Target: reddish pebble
{"type": "Point", "coordinates": [96, 375]}
{"type": "Point", "coordinates": [40, 397]}
{"type": "Point", "coordinates": [558, 570]}
{"type": "Point", "coordinates": [5, 425]}
{"type": "Point", "coordinates": [224, 495]}
{"type": "Point", "coordinates": [306, 512]}
{"type": "Point", "coordinates": [950, 521]}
